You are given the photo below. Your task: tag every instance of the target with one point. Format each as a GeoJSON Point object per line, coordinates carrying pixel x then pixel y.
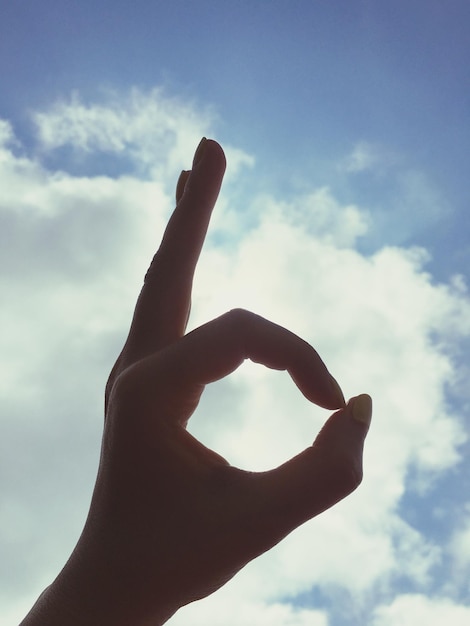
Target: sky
{"type": "Point", "coordinates": [343, 216]}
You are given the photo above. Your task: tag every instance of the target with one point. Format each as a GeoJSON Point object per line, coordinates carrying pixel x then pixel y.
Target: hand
{"type": "Point", "coordinates": [171, 521]}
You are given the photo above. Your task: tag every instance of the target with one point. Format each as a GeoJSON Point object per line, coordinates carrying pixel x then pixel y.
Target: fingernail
{"type": "Point", "coordinates": [361, 408]}
{"type": "Point", "coordinates": [337, 392]}
{"type": "Point", "coordinates": [199, 152]}
{"type": "Point", "coordinates": [181, 184]}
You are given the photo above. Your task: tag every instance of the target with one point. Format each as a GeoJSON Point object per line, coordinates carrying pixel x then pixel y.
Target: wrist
{"type": "Point", "coordinates": [90, 593]}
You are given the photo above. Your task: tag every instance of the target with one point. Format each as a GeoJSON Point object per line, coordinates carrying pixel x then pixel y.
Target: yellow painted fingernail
{"type": "Point", "coordinates": [361, 408]}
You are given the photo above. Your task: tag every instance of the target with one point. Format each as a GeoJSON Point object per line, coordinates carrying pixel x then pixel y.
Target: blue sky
{"type": "Point", "coordinates": [346, 126]}
{"type": "Point", "coordinates": [307, 80]}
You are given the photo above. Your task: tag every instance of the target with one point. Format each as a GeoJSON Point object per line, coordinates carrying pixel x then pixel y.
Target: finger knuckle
{"type": "Point", "coordinates": [239, 316]}
{"type": "Point", "coordinates": [157, 267]}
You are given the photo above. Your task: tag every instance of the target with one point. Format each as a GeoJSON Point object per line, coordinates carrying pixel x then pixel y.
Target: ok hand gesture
{"type": "Point", "coordinates": [171, 521]}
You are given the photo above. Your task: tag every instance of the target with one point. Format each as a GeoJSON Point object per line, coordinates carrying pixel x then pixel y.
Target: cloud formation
{"type": "Point", "coordinates": [410, 609]}
{"type": "Point", "coordinates": [74, 253]}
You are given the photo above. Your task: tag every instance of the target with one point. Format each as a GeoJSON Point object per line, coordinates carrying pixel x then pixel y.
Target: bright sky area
{"type": "Point", "coordinates": [344, 216]}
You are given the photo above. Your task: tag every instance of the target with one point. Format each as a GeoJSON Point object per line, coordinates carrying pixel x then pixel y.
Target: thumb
{"type": "Point", "coordinates": [320, 476]}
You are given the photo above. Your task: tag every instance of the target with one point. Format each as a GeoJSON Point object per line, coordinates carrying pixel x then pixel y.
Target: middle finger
{"type": "Point", "coordinates": [162, 309]}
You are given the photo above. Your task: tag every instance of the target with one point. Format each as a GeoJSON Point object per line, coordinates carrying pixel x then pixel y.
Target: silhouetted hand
{"type": "Point", "coordinates": [171, 521]}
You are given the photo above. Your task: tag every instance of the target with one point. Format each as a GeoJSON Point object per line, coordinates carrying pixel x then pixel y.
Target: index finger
{"type": "Point", "coordinates": [163, 306]}
{"type": "Point", "coordinates": [176, 377]}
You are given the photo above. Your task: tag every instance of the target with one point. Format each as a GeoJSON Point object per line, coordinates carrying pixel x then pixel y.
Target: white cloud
{"type": "Point", "coordinates": [459, 549]}
{"type": "Point", "coordinates": [146, 124]}
{"type": "Point", "coordinates": [409, 610]}
{"type": "Point", "coordinates": [364, 156]}
{"type": "Point", "coordinates": [74, 257]}
{"type": "Point", "coordinates": [369, 157]}
{"type": "Point", "coordinates": [230, 613]}
{"type": "Point", "coordinates": [404, 200]}
{"type": "Point", "coordinates": [6, 133]}
{"type": "Point", "coordinates": [156, 133]}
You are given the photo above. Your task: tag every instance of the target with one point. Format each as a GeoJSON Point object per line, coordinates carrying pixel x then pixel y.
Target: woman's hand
{"type": "Point", "coordinates": [171, 521]}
